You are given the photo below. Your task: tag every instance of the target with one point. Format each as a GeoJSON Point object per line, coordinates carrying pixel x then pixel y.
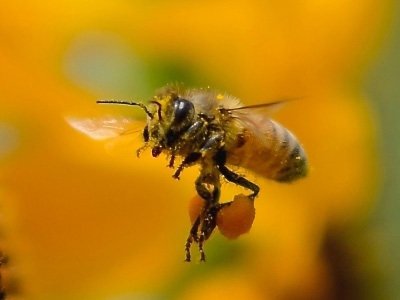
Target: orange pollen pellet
{"type": "Point", "coordinates": [236, 218]}
{"type": "Point", "coordinates": [195, 207]}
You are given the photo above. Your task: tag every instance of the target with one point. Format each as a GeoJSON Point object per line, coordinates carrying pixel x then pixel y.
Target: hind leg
{"type": "Point", "coordinates": [193, 237]}
{"type": "Point", "coordinates": [206, 221]}
{"type": "Point", "coordinates": [231, 176]}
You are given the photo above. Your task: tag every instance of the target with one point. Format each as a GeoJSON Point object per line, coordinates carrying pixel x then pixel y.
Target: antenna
{"type": "Point", "coordinates": [122, 102]}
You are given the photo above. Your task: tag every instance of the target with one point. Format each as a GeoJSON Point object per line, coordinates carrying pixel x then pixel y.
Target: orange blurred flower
{"type": "Point", "coordinates": [80, 223]}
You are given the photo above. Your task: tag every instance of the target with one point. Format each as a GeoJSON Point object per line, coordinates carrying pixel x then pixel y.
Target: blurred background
{"type": "Point", "coordinates": [78, 221]}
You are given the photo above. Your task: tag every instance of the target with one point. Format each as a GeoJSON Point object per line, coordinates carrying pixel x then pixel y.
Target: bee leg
{"type": "Point", "coordinates": [201, 248]}
{"type": "Point", "coordinates": [141, 149]}
{"type": "Point", "coordinates": [193, 130]}
{"type": "Point", "coordinates": [235, 178]}
{"type": "Point", "coordinates": [191, 158]}
{"type": "Point", "coordinates": [146, 138]}
{"type": "Point", "coordinates": [171, 161]}
{"type": "Point", "coordinates": [210, 209]}
{"type": "Point", "coordinates": [208, 226]}
{"type": "Point", "coordinates": [208, 197]}
{"type": "Point", "coordinates": [204, 192]}
{"type": "Point", "coordinates": [211, 143]}
{"type": "Point", "coordinates": [232, 176]}
{"type": "Point", "coordinates": [206, 220]}
{"type": "Point", "coordinates": [192, 238]}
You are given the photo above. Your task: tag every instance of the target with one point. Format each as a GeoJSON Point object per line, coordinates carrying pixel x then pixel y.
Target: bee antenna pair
{"type": "Point", "coordinates": [122, 102]}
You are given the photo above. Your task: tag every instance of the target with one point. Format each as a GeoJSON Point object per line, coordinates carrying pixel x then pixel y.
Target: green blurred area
{"type": "Point", "coordinates": [383, 88]}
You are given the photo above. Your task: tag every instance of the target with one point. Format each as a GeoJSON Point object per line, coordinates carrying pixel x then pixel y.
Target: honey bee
{"type": "Point", "coordinates": [213, 130]}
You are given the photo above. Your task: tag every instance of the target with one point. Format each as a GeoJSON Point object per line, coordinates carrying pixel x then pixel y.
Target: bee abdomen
{"type": "Point", "coordinates": [289, 161]}
{"type": "Point", "coordinates": [294, 166]}
{"type": "Point", "coordinates": [281, 159]}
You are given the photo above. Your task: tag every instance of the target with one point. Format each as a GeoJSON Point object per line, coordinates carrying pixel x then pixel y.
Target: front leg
{"type": "Point", "coordinates": [211, 144]}
{"type": "Point", "coordinates": [190, 159]}
{"type": "Point", "coordinates": [146, 138]}
{"type": "Point", "coordinates": [171, 161]}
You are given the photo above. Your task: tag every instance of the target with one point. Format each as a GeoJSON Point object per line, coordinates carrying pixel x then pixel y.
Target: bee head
{"type": "Point", "coordinates": [172, 115]}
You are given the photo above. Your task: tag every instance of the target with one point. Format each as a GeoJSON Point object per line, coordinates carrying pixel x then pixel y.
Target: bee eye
{"type": "Point", "coordinates": [182, 109]}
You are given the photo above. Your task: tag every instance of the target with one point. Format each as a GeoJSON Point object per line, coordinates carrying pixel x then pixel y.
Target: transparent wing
{"type": "Point", "coordinates": [256, 118]}
{"type": "Point", "coordinates": [262, 109]}
{"type": "Point", "coordinates": [105, 127]}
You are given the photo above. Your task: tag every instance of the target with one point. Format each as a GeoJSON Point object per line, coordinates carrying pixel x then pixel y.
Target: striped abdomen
{"type": "Point", "coordinates": [275, 154]}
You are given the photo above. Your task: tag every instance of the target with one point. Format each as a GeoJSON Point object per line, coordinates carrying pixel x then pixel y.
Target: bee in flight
{"type": "Point", "coordinates": [214, 131]}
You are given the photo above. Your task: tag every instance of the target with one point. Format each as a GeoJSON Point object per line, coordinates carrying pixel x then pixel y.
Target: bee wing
{"type": "Point", "coordinates": [262, 109]}
{"type": "Point", "coordinates": [104, 127]}
{"type": "Point", "coordinates": [256, 118]}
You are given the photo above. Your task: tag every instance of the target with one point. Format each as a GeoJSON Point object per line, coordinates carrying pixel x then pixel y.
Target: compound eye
{"type": "Point", "coordinates": [182, 108]}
